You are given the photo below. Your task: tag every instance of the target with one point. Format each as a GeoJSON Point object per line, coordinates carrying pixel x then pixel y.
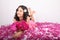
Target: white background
{"type": "Point", "coordinates": [46, 10]}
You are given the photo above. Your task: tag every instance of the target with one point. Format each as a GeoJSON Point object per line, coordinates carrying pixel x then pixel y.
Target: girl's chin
{"type": "Point", "coordinates": [20, 16]}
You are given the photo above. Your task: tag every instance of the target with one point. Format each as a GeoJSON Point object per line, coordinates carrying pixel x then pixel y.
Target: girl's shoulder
{"type": "Point", "coordinates": [14, 20]}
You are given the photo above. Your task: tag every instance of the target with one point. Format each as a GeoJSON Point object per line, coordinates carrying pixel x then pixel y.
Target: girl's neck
{"type": "Point", "coordinates": [21, 18]}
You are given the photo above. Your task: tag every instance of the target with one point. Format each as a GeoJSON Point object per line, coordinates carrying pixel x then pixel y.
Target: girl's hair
{"type": "Point", "coordinates": [25, 13]}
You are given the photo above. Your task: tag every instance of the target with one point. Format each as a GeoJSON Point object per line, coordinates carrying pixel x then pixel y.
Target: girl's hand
{"type": "Point", "coordinates": [17, 34]}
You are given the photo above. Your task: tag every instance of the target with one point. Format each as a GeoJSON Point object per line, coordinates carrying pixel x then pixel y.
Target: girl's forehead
{"type": "Point", "coordinates": [20, 8]}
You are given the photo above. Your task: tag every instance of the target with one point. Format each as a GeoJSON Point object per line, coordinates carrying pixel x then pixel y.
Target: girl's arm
{"type": "Point", "coordinates": [17, 34]}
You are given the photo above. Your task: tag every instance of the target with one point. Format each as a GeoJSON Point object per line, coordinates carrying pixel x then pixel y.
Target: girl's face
{"type": "Point", "coordinates": [20, 12]}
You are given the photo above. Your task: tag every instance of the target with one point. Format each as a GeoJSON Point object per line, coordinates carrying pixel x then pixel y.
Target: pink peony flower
{"type": "Point", "coordinates": [22, 25]}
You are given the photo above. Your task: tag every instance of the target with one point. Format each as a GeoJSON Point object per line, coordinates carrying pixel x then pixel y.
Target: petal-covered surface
{"type": "Point", "coordinates": [43, 31]}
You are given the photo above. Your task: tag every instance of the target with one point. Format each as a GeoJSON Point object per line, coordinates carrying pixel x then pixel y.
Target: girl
{"type": "Point", "coordinates": [22, 17]}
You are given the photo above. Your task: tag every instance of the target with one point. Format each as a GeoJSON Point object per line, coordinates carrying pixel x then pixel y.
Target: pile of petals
{"type": "Point", "coordinates": [43, 31]}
